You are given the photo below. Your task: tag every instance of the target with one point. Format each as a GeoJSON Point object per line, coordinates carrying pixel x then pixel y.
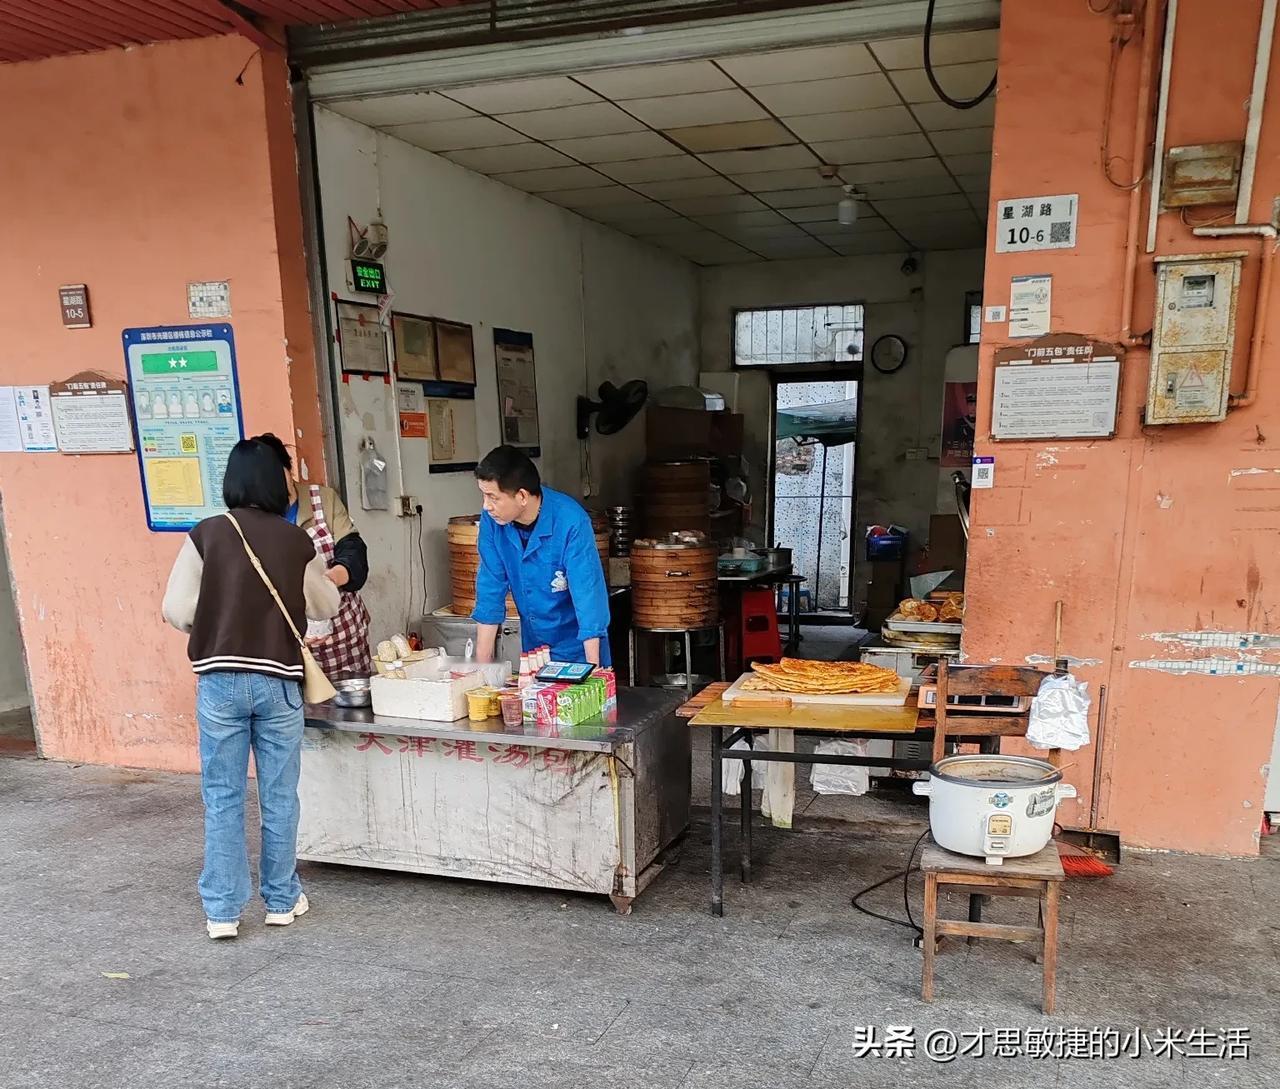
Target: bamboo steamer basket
{"type": "Point", "coordinates": [463, 537]}
{"type": "Point", "coordinates": [674, 497]}
{"type": "Point", "coordinates": [673, 583]}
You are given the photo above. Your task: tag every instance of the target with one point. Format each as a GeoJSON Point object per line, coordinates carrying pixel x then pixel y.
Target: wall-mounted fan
{"type": "Point", "coordinates": [616, 408]}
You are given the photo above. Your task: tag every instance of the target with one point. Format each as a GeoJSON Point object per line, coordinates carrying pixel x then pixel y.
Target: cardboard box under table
{"type": "Point", "coordinates": [589, 808]}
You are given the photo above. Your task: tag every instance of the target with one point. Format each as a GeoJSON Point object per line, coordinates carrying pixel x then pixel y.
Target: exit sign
{"type": "Point", "coordinates": [368, 277]}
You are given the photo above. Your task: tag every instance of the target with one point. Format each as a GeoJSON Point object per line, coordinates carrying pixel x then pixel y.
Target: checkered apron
{"type": "Point", "coordinates": [346, 652]}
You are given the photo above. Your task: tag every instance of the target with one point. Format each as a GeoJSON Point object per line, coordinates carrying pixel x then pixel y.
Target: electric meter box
{"type": "Point", "coordinates": [1193, 337]}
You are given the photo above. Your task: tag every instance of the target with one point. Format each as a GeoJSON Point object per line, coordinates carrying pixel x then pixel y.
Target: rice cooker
{"type": "Point", "coordinates": [993, 807]}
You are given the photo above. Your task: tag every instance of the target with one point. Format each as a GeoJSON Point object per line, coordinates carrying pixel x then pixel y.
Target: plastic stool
{"type": "Point", "coordinates": [759, 627]}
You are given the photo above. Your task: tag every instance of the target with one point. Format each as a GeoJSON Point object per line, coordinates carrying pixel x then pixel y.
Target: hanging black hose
{"type": "Point", "coordinates": [955, 103]}
{"type": "Point", "coordinates": [910, 924]}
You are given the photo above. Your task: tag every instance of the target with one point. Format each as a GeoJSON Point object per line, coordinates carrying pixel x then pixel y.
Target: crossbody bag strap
{"type": "Point", "coordinates": [266, 579]}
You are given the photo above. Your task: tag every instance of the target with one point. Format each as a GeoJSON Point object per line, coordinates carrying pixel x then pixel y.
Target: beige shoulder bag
{"type": "Point", "coordinates": [316, 687]}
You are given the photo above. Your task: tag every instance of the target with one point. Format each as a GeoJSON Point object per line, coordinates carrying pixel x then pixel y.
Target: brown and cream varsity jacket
{"type": "Point", "coordinates": [217, 597]}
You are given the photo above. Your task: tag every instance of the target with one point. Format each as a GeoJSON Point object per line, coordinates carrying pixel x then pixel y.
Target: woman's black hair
{"type": "Point", "coordinates": [278, 447]}
{"type": "Point", "coordinates": [254, 479]}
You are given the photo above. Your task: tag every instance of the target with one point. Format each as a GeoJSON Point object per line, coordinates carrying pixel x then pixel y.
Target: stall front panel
{"type": "Point", "coordinates": [587, 808]}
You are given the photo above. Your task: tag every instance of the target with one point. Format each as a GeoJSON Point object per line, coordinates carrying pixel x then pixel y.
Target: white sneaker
{"type": "Point", "coordinates": [222, 930]}
{"type": "Point", "coordinates": [284, 918]}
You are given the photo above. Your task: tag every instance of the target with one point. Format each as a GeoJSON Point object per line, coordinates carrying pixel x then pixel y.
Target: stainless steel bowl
{"type": "Point", "coordinates": [353, 692]}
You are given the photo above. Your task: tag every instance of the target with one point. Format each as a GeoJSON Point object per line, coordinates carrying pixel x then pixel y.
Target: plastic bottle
{"type": "Point", "coordinates": [526, 673]}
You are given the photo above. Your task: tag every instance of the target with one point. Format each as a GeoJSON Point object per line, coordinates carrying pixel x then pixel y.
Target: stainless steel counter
{"type": "Point", "coordinates": [639, 711]}
{"type": "Point", "coordinates": [756, 578]}
{"type": "Point", "coordinates": [588, 807]}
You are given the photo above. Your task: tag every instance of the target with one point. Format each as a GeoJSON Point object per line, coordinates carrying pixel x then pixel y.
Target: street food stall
{"type": "Point", "coordinates": [588, 807]}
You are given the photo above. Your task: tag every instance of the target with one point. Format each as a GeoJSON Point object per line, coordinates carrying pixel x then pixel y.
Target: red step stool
{"type": "Point", "coordinates": [758, 630]}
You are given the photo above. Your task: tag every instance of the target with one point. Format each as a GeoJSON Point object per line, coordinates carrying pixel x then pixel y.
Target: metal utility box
{"type": "Point", "coordinates": [1201, 174]}
{"type": "Point", "coordinates": [1193, 337]}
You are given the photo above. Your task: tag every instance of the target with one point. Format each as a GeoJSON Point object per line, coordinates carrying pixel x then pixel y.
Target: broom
{"type": "Point", "coordinates": [1077, 861]}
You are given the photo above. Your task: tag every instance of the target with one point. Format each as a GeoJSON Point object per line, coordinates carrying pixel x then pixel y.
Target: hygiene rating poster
{"type": "Point", "coordinates": [186, 410]}
{"type": "Point", "coordinates": [517, 389]}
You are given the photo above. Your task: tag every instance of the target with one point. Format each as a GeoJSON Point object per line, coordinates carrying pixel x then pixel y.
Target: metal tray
{"type": "Point", "coordinates": [936, 627]}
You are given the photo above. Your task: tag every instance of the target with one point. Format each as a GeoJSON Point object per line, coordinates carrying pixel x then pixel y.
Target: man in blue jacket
{"type": "Point", "coordinates": [538, 544]}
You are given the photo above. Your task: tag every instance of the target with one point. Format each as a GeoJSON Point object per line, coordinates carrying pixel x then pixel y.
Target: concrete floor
{"type": "Point", "coordinates": [107, 979]}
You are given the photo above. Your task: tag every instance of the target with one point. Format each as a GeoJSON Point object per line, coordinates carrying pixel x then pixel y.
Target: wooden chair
{"type": "Point", "coordinates": [995, 680]}
{"type": "Point", "coordinates": [1036, 877]}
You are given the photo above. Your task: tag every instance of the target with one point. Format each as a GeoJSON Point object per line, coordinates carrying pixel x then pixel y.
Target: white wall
{"type": "Point", "coordinates": [13, 674]}
{"type": "Point", "coordinates": [901, 412]}
{"type": "Point", "coordinates": [599, 306]}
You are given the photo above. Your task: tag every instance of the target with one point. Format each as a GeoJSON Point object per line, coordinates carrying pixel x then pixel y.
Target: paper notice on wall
{"type": "Point", "coordinates": [10, 434]}
{"type": "Point", "coordinates": [91, 414]}
{"type": "Point", "coordinates": [413, 411]}
{"type": "Point", "coordinates": [517, 389]}
{"type": "Point", "coordinates": [451, 423]}
{"type": "Point", "coordinates": [174, 482]}
{"type": "Point", "coordinates": [443, 440]}
{"type": "Point", "coordinates": [1029, 302]}
{"type": "Point", "coordinates": [35, 419]}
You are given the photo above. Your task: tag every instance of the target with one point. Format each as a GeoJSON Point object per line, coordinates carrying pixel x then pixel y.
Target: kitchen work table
{"type": "Point", "coordinates": [729, 724]}
{"type": "Point", "coordinates": [588, 808]}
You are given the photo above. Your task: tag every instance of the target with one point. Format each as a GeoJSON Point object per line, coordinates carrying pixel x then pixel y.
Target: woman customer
{"type": "Point", "coordinates": [249, 687]}
{"type": "Point", "coordinates": [342, 649]}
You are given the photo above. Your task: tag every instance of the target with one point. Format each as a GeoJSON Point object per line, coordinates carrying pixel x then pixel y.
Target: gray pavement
{"type": "Point", "coordinates": [107, 979]}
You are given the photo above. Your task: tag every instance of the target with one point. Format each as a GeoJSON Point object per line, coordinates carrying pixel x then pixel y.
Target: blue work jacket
{"type": "Point", "coordinates": [556, 580]}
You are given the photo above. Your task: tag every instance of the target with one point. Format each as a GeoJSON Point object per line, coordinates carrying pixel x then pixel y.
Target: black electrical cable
{"type": "Point", "coordinates": [906, 902]}
{"type": "Point", "coordinates": [954, 103]}
{"type": "Point", "coordinates": [422, 554]}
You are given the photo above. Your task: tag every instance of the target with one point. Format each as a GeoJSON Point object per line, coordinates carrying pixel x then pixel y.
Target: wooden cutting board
{"type": "Point", "coordinates": [737, 694]}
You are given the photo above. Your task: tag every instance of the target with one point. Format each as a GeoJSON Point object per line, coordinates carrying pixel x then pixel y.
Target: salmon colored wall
{"type": "Point", "coordinates": [1148, 532]}
{"type": "Point", "coordinates": [134, 171]}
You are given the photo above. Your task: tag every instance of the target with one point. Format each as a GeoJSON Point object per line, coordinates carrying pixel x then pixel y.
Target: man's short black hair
{"type": "Point", "coordinates": [511, 470]}
{"type": "Point", "coordinates": [278, 446]}
{"type": "Point", "coordinates": [254, 479]}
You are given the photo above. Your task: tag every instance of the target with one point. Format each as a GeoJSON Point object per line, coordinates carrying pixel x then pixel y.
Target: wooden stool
{"type": "Point", "coordinates": [1035, 877]}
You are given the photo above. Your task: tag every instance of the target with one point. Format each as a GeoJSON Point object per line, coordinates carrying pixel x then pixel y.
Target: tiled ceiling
{"type": "Point", "coordinates": [720, 160]}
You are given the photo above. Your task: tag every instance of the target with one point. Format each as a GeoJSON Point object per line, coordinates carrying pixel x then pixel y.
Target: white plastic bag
{"type": "Point", "coordinates": [731, 770]}
{"type": "Point", "coordinates": [373, 477]}
{"type": "Point", "coordinates": [1060, 714]}
{"type": "Point", "coordinates": [840, 778]}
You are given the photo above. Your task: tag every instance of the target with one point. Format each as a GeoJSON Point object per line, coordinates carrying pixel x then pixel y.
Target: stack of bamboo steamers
{"type": "Point", "coordinates": [463, 536]}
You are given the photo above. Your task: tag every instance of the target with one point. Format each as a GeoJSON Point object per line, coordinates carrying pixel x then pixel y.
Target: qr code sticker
{"type": "Point", "coordinates": [1060, 232]}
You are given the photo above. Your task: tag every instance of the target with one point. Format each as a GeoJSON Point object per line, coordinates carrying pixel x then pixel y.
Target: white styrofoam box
{"type": "Point", "coordinates": [495, 674]}
{"type": "Point", "coordinates": [439, 699]}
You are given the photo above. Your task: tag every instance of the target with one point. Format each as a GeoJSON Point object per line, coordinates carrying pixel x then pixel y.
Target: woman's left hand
{"type": "Point", "coordinates": [338, 575]}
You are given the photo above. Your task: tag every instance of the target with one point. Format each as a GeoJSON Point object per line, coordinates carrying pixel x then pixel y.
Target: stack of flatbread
{"type": "Point", "coordinates": [802, 676]}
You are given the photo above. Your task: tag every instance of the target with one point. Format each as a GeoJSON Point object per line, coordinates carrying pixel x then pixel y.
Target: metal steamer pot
{"type": "Point", "coordinates": [993, 807]}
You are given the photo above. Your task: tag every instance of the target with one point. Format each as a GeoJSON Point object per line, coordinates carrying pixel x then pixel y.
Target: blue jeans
{"type": "Point", "coordinates": [237, 712]}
